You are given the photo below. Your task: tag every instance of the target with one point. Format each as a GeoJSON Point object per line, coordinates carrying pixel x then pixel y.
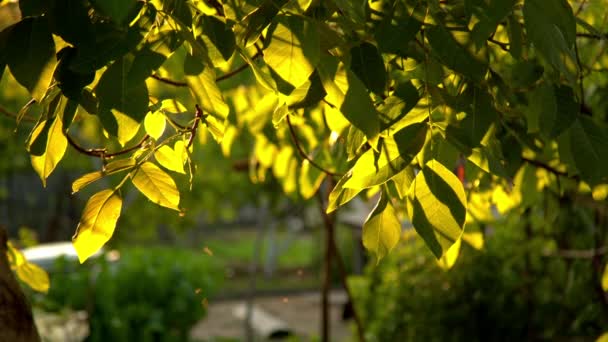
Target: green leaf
{"type": "Point", "coordinates": [251, 27]}
{"type": "Point", "coordinates": [218, 38]}
{"type": "Point", "coordinates": [403, 180]}
{"type": "Point", "coordinates": [156, 185]}
{"type": "Point", "coordinates": [366, 62]}
{"type": "Point", "coordinates": [341, 195]}
{"type": "Point", "coordinates": [118, 10]}
{"type": "Point", "coordinates": [398, 27]}
{"type": "Point", "coordinates": [201, 81]}
{"type": "Point", "coordinates": [56, 145]}
{"type": "Point", "coordinates": [395, 154]}
{"type": "Point", "coordinates": [382, 229]}
{"type": "Point", "coordinates": [97, 223]}
{"type": "Point", "coordinates": [453, 55]}
{"type": "Point", "coordinates": [516, 37]}
{"type": "Point", "coordinates": [123, 101]}
{"type": "Point", "coordinates": [31, 55]}
{"type": "Point", "coordinates": [551, 109]}
{"type": "Point", "coordinates": [352, 9]}
{"type": "Point", "coordinates": [155, 123]}
{"type": "Point", "coordinates": [480, 115]}
{"type": "Point", "coordinates": [292, 49]}
{"type": "Point", "coordinates": [489, 14]}
{"type": "Point", "coordinates": [347, 93]}
{"type": "Point", "coordinates": [589, 144]}
{"type": "Point", "coordinates": [436, 205]}
{"type": "Point", "coordinates": [552, 30]}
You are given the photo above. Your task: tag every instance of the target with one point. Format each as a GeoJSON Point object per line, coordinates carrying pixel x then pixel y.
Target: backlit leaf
{"type": "Point", "coordinates": [155, 124]}
{"type": "Point", "coordinates": [293, 49]}
{"type": "Point", "coordinates": [346, 92]}
{"type": "Point", "coordinates": [97, 223]}
{"type": "Point", "coordinates": [449, 258]}
{"type": "Point", "coordinates": [55, 149]}
{"type": "Point", "coordinates": [171, 159]}
{"type": "Point", "coordinates": [395, 154]}
{"type": "Point", "coordinates": [341, 195]}
{"type": "Point", "coordinates": [31, 274]}
{"type": "Point", "coordinates": [382, 229]}
{"type": "Point", "coordinates": [436, 205]}
{"type": "Point", "coordinates": [112, 167]}
{"type": "Point", "coordinates": [156, 185]}
{"type": "Point", "coordinates": [201, 81]}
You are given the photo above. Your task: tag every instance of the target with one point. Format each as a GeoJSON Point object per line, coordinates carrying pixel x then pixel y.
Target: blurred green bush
{"type": "Point", "coordinates": [518, 287]}
{"type": "Point", "coordinates": [137, 294]}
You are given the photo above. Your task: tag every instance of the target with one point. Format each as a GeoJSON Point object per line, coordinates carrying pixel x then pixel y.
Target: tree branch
{"type": "Point", "coordinates": [10, 114]}
{"type": "Point", "coordinates": [549, 168]}
{"type": "Point", "coordinates": [578, 253]}
{"type": "Point", "coordinates": [102, 152]}
{"type": "Point", "coordinates": [197, 117]}
{"type": "Point", "coordinates": [217, 79]}
{"type": "Point", "coordinates": [304, 155]}
{"type": "Point", "coordinates": [593, 36]}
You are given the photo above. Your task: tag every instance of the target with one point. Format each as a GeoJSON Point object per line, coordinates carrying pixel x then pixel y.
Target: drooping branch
{"type": "Point", "coordinates": [304, 155]}
{"type": "Point", "coordinates": [217, 79]}
{"type": "Point", "coordinates": [549, 168]}
{"type": "Point", "coordinates": [10, 114]}
{"type": "Point", "coordinates": [102, 152]}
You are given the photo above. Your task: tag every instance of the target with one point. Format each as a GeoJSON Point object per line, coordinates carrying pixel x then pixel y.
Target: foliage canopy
{"type": "Point", "coordinates": [446, 108]}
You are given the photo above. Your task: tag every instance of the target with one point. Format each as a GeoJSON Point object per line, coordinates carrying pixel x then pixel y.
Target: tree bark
{"type": "Point", "coordinates": [16, 319]}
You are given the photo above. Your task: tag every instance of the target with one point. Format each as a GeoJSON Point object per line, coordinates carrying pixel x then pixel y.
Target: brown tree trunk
{"type": "Point", "coordinates": [16, 320]}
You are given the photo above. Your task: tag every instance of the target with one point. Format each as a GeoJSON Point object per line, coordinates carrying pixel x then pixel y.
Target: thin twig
{"type": "Point", "coordinates": [197, 117]}
{"type": "Point", "coordinates": [593, 36]}
{"type": "Point", "coordinates": [169, 81]}
{"type": "Point", "coordinates": [102, 152]}
{"type": "Point", "coordinates": [580, 8]}
{"type": "Point", "coordinates": [304, 154]}
{"type": "Point", "coordinates": [15, 116]}
{"type": "Point", "coordinates": [503, 46]}
{"type": "Point", "coordinates": [545, 166]}
{"type": "Point", "coordinates": [217, 79]}
{"type": "Point", "coordinates": [578, 253]}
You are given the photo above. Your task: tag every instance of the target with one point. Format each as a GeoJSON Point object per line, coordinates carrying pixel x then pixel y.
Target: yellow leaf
{"type": "Point", "coordinates": [603, 338]}
{"type": "Point", "coordinates": [474, 239]}
{"type": "Point", "coordinates": [112, 167]}
{"type": "Point", "coordinates": [34, 276]}
{"type": "Point", "coordinates": [97, 223]}
{"type": "Point", "coordinates": [85, 180]}
{"type": "Point", "coordinates": [156, 185]}
{"type": "Point", "coordinates": [172, 106]}
{"type": "Point", "coordinates": [170, 158]}
{"type": "Point", "coordinates": [449, 258]}
{"type": "Point", "coordinates": [55, 149]}
{"type": "Point", "coordinates": [382, 229]}
{"type": "Point", "coordinates": [155, 123]}
{"type": "Point", "coordinates": [31, 274]}
{"type": "Point", "coordinates": [437, 206]}
{"type": "Point", "coordinates": [600, 192]}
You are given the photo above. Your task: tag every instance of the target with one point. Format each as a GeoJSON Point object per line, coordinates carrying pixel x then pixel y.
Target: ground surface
{"type": "Point", "coordinates": [301, 312]}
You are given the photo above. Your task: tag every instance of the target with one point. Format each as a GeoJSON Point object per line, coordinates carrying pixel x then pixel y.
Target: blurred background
{"type": "Point", "coordinates": [245, 247]}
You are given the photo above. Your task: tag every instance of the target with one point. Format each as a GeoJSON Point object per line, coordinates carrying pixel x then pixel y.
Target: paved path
{"type": "Point", "coordinates": [300, 311]}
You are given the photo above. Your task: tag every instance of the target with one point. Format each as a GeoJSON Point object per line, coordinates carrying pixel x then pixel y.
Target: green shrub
{"type": "Point", "coordinates": [514, 289]}
{"type": "Point", "coordinates": [149, 294]}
